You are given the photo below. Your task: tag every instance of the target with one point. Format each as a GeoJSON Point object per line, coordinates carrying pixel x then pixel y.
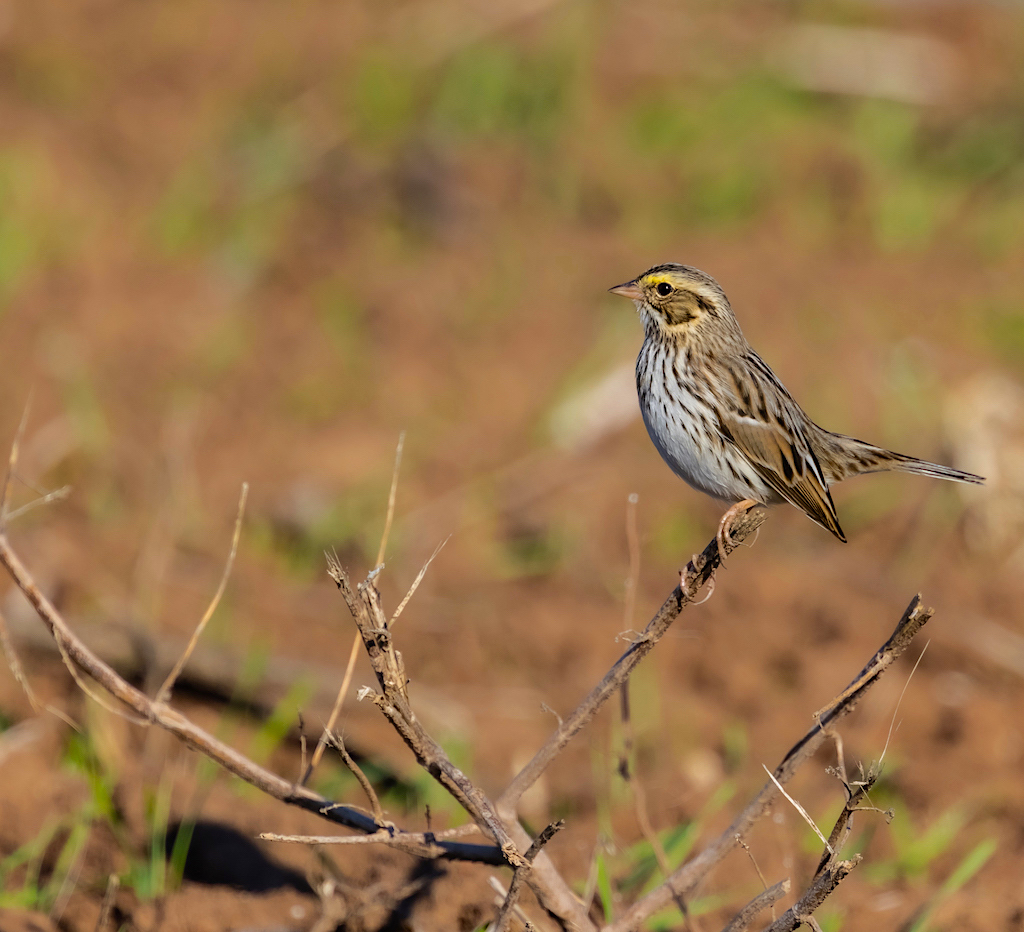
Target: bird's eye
{"type": "Point", "coordinates": [664, 288]}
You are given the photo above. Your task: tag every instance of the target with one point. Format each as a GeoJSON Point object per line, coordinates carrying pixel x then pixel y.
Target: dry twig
{"type": "Point", "coordinates": [686, 877]}
{"type": "Point", "coordinates": [387, 838]}
{"type": "Point", "coordinates": [164, 692]}
{"type": "Point", "coordinates": [363, 602]}
{"type": "Point", "coordinates": [195, 737]}
{"type": "Point", "coordinates": [824, 883]}
{"type": "Point", "coordinates": [698, 571]}
{"type": "Point", "coordinates": [354, 650]}
{"type": "Point", "coordinates": [762, 901]}
{"type": "Point", "coordinates": [339, 745]}
{"type": "Point", "coordinates": [505, 913]}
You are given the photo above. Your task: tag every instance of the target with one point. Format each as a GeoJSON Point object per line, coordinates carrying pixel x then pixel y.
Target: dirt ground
{"type": "Point", "coordinates": [256, 242]}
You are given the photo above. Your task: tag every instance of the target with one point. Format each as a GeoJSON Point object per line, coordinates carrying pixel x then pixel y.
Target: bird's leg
{"type": "Point", "coordinates": [727, 518]}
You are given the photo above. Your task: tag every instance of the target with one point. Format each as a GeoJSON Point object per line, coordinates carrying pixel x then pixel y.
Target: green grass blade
{"type": "Point", "coordinates": [963, 872]}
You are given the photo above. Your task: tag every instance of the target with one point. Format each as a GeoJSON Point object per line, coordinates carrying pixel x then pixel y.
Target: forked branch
{"type": "Point", "coordinates": [697, 573]}
{"type": "Point", "coordinates": [195, 737]}
{"type": "Point", "coordinates": [683, 881]}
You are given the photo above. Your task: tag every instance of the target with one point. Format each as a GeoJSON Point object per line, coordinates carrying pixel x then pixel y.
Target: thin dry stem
{"type": "Point", "coordinates": [357, 771]}
{"type": "Point", "coordinates": [633, 782]}
{"type": "Point", "coordinates": [899, 702]}
{"type": "Point", "coordinates": [633, 543]}
{"type": "Point", "coordinates": [416, 582]}
{"type": "Point", "coordinates": [12, 464]}
{"type": "Point", "coordinates": [753, 861]}
{"type": "Point", "coordinates": [768, 897]}
{"type": "Point", "coordinates": [14, 663]}
{"type": "Point", "coordinates": [99, 698]}
{"type": "Point", "coordinates": [816, 894]}
{"type": "Point", "coordinates": [353, 653]}
{"type": "Point", "coordinates": [505, 913]}
{"type": "Point", "coordinates": [803, 812]}
{"type": "Point", "coordinates": [387, 837]}
{"type": "Point", "coordinates": [164, 692]}
{"type": "Point", "coordinates": [639, 796]}
{"type": "Point", "coordinates": [57, 495]}
{"type": "Point", "coordinates": [392, 498]}
{"type": "Point", "coordinates": [335, 712]}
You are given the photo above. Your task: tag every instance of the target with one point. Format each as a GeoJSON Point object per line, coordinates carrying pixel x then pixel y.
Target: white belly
{"type": "Point", "coordinates": [685, 432]}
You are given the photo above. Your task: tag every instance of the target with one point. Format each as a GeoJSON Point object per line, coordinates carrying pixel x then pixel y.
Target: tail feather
{"type": "Point", "coordinates": [842, 457]}
{"type": "Point", "coordinates": [903, 463]}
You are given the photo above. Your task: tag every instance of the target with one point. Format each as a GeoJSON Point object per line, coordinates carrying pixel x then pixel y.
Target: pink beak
{"type": "Point", "coordinates": [628, 290]}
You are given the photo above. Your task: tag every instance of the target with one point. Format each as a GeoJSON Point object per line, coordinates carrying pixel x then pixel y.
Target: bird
{"type": "Point", "coordinates": [722, 420]}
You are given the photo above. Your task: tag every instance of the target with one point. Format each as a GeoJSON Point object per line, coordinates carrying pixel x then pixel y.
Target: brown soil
{"type": "Point", "coordinates": [454, 291]}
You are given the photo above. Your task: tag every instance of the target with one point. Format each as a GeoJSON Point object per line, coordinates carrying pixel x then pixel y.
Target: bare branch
{"type": "Point", "coordinates": [387, 837]}
{"type": "Point", "coordinates": [339, 745]}
{"type": "Point", "coordinates": [57, 495]}
{"type": "Point", "coordinates": [164, 692]}
{"type": "Point", "coordinates": [195, 737]}
{"type": "Point", "coordinates": [698, 571]}
{"type": "Point", "coordinates": [816, 894]}
{"type": "Point", "coordinates": [741, 922]}
{"type": "Point", "coordinates": [841, 830]}
{"type": "Point", "coordinates": [393, 701]}
{"type": "Point", "coordinates": [547, 884]}
{"type": "Point", "coordinates": [505, 913]}
{"type": "Point", "coordinates": [686, 877]}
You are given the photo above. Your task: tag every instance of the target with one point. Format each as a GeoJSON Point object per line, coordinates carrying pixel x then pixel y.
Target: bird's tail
{"type": "Point", "coordinates": [842, 457]}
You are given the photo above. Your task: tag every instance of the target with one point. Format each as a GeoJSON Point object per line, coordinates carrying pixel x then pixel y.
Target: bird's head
{"type": "Point", "coordinates": [677, 299]}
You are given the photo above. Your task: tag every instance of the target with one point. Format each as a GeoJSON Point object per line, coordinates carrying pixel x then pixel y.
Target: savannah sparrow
{"type": "Point", "coordinates": [722, 420]}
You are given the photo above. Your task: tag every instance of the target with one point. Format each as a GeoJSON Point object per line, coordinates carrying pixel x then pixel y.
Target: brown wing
{"type": "Point", "coordinates": [779, 462]}
{"type": "Point", "coordinates": [769, 428]}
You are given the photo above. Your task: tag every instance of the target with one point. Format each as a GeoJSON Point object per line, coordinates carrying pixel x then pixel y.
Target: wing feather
{"type": "Point", "coordinates": [773, 438]}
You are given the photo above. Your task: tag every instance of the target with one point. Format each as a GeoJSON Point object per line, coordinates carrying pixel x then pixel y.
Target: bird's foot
{"type": "Point", "coordinates": [723, 537]}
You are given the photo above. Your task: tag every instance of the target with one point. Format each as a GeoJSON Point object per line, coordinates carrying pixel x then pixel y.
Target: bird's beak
{"type": "Point", "coordinates": [628, 290]}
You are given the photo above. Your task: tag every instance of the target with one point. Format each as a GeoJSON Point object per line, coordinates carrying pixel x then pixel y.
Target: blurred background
{"type": "Point", "coordinates": [251, 241]}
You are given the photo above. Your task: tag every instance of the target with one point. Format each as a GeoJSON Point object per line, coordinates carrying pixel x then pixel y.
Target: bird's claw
{"type": "Point", "coordinates": [724, 537]}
